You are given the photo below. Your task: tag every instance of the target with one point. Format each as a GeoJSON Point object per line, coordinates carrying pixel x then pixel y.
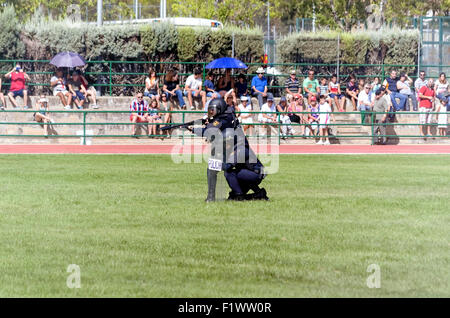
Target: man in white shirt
{"type": "Point", "coordinates": [364, 103]}
{"type": "Point", "coordinates": [269, 116]}
{"type": "Point", "coordinates": [193, 88]}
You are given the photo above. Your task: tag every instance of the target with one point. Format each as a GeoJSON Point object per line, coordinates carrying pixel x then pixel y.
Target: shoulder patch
{"type": "Point", "coordinates": [216, 123]}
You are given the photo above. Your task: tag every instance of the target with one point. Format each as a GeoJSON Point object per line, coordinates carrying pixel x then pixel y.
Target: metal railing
{"type": "Point", "coordinates": [86, 125]}
{"type": "Point", "coordinates": [132, 75]}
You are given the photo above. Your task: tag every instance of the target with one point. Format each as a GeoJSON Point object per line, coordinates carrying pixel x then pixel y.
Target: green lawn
{"type": "Point", "coordinates": [138, 227]}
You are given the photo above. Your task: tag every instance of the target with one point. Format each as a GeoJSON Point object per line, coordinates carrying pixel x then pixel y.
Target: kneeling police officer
{"type": "Point", "coordinates": [231, 152]}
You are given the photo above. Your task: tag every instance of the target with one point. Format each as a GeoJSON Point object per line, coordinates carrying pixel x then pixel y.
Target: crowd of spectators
{"type": "Point", "coordinates": [310, 103]}
{"type": "Point", "coordinates": [317, 98]}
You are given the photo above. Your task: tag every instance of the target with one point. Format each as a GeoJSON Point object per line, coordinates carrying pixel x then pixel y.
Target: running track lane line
{"type": "Point", "coordinates": [167, 149]}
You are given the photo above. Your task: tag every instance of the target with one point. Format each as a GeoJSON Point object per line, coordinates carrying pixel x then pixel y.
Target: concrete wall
{"type": "Point", "coordinates": [119, 125]}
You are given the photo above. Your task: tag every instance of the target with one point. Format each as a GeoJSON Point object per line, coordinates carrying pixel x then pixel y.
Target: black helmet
{"type": "Point", "coordinates": [216, 107]}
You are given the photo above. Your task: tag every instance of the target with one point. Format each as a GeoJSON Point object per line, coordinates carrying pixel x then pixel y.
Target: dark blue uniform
{"type": "Point", "coordinates": [243, 170]}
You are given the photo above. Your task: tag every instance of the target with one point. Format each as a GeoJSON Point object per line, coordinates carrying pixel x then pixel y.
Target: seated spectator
{"type": "Point", "coordinates": [361, 84]}
{"type": "Point", "coordinates": [404, 88]}
{"type": "Point", "coordinates": [364, 103]}
{"type": "Point", "coordinates": [259, 87]}
{"type": "Point", "coordinates": [59, 84]}
{"type": "Point", "coordinates": [426, 96]}
{"type": "Point", "coordinates": [380, 109]}
{"type": "Point", "coordinates": [325, 114]}
{"type": "Point", "coordinates": [172, 88]}
{"type": "Point", "coordinates": [17, 88]}
{"type": "Point", "coordinates": [335, 93]}
{"type": "Point", "coordinates": [193, 88]}
{"type": "Point", "coordinates": [391, 86]}
{"type": "Point", "coordinates": [154, 118]}
{"type": "Point", "coordinates": [313, 117]}
{"type": "Point", "coordinates": [225, 83]}
{"type": "Point", "coordinates": [293, 84]}
{"type": "Point", "coordinates": [41, 114]}
{"type": "Point", "coordinates": [138, 112]}
{"type": "Point", "coordinates": [386, 96]}
{"type": "Point", "coordinates": [151, 85]}
{"type": "Point", "coordinates": [442, 88]}
{"type": "Point", "coordinates": [282, 109]}
{"type": "Point", "coordinates": [2, 97]}
{"type": "Point", "coordinates": [231, 101]}
{"type": "Point", "coordinates": [245, 116]}
{"type": "Point", "coordinates": [375, 85]}
{"type": "Point", "coordinates": [323, 89]}
{"type": "Point", "coordinates": [268, 114]}
{"type": "Point", "coordinates": [352, 91]}
{"type": "Point", "coordinates": [165, 105]}
{"type": "Point", "coordinates": [441, 116]}
{"type": "Point", "coordinates": [77, 89]}
{"type": "Point", "coordinates": [311, 86]}
{"type": "Point", "coordinates": [241, 87]}
{"type": "Point", "coordinates": [209, 86]}
{"type": "Point", "coordinates": [297, 106]}
{"type": "Point", "coordinates": [90, 91]}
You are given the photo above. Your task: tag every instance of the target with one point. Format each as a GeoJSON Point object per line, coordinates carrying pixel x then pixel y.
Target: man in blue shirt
{"type": "Point", "coordinates": [259, 87]}
{"type": "Point", "coordinates": [391, 87]}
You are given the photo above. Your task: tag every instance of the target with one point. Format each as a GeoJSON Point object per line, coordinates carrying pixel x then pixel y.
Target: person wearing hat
{"type": "Point", "coordinates": [312, 120]}
{"type": "Point", "coordinates": [245, 117]}
{"type": "Point", "coordinates": [259, 87]}
{"type": "Point", "coordinates": [292, 84]}
{"type": "Point", "coordinates": [231, 153]}
{"type": "Point", "coordinates": [41, 114]}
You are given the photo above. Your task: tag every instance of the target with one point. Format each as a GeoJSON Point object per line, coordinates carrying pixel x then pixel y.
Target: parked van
{"type": "Point", "coordinates": [179, 22]}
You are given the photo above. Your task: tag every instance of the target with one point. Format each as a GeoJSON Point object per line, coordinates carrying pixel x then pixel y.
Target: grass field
{"type": "Point", "coordinates": [138, 226]}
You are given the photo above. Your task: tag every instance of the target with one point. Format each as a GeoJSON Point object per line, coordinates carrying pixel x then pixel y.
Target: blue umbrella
{"type": "Point", "coordinates": [67, 59]}
{"type": "Point", "coordinates": [226, 62]}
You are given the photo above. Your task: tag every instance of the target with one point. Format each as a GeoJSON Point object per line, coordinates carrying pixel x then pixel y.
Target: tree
{"type": "Point", "coordinates": [227, 11]}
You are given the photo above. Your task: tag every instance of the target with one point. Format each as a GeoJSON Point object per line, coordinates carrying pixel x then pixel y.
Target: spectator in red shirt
{"type": "Point", "coordinates": [18, 78]}
{"type": "Point", "coordinates": [426, 101]}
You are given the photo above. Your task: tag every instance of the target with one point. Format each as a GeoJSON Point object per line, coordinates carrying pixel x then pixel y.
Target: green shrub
{"type": "Point", "coordinates": [10, 45]}
{"type": "Point", "coordinates": [186, 44]}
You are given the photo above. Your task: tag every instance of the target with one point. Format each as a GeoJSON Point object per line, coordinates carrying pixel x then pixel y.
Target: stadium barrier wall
{"type": "Point", "coordinates": [87, 124]}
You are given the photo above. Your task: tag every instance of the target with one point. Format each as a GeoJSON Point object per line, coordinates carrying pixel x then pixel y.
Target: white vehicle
{"type": "Point", "coordinates": [179, 22]}
{"type": "Point", "coordinates": [192, 22]}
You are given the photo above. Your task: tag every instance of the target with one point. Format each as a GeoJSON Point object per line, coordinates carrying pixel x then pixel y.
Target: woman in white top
{"type": "Point", "coordinates": [59, 84]}
{"type": "Point", "coordinates": [245, 118]}
{"type": "Point", "coordinates": [441, 85]}
{"type": "Point", "coordinates": [441, 115]}
{"type": "Point", "coordinates": [152, 85]}
{"type": "Point", "coordinates": [325, 114]}
{"type": "Point", "coordinates": [404, 87]}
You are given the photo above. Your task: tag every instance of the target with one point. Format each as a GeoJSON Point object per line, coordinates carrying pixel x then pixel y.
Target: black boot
{"type": "Point", "coordinates": [261, 194]}
{"type": "Point", "coordinates": [233, 196]}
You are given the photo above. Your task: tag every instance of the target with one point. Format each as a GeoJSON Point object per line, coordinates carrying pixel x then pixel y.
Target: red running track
{"type": "Point", "coordinates": [168, 149]}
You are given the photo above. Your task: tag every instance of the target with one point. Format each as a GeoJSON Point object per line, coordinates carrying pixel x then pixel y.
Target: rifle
{"type": "Point", "coordinates": [185, 125]}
